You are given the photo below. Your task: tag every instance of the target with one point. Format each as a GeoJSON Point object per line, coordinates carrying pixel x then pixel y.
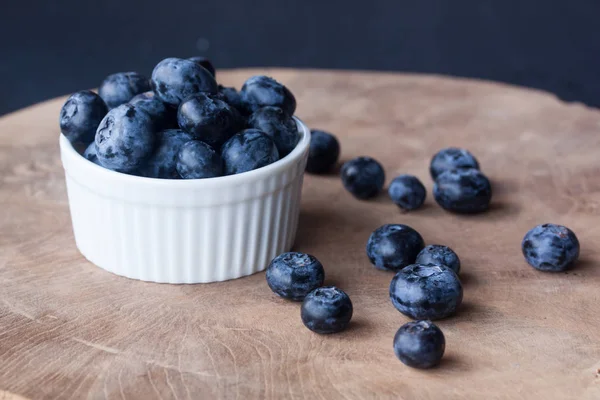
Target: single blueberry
{"type": "Point", "coordinates": [436, 254]}
{"type": "Point", "coordinates": [125, 138]}
{"type": "Point", "coordinates": [208, 119]}
{"type": "Point", "coordinates": [232, 97]}
{"type": "Point", "coordinates": [407, 192]}
{"type": "Point", "coordinates": [550, 247]}
{"type": "Point", "coordinates": [323, 153]}
{"type": "Point", "coordinates": [163, 116]}
{"type": "Point", "coordinates": [80, 116]}
{"type": "Point", "coordinates": [174, 80]}
{"type": "Point", "coordinates": [426, 291]}
{"type": "Point", "coordinates": [464, 191]}
{"type": "Point", "coordinates": [278, 125]}
{"type": "Point", "coordinates": [326, 310]}
{"type": "Point", "coordinates": [260, 91]}
{"type": "Point", "coordinates": [419, 344]}
{"type": "Point", "coordinates": [248, 150]}
{"type": "Point", "coordinates": [394, 246]}
{"type": "Point", "coordinates": [205, 63]}
{"type": "Point", "coordinates": [294, 275]}
{"type": "Point", "coordinates": [163, 160]}
{"type": "Point", "coordinates": [363, 177]}
{"type": "Point", "coordinates": [197, 160]}
{"type": "Point", "coordinates": [451, 158]}
{"type": "Point", "coordinates": [91, 154]}
{"type": "Point", "coordinates": [119, 88]}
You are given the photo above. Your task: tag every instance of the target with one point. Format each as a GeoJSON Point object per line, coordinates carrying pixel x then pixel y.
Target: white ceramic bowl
{"type": "Point", "coordinates": [185, 231]}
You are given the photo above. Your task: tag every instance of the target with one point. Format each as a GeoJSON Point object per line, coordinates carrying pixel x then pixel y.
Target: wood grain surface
{"type": "Point", "coordinates": [69, 330]}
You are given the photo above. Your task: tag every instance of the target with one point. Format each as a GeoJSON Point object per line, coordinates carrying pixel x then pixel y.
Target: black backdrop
{"type": "Point", "coordinates": [49, 48]}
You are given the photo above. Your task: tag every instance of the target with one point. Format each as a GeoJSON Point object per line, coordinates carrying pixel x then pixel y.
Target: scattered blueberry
{"type": "Point", "coordinates": [91, 154]}
{"type": "Point", "coordinates": [208, 119]}
{"type": "Point", "coordinates": [326, 310]}
{"type": "Point", "coordinates": [419, 344]}
{"type": "Point", "coordinates": [394, 246]}
{"type": "Point", "coordinates": [426, 291]}
{"type": "Point", "coordinates": [124, 139]}
{"type": "Point", "coordinates": [163, 161]}
{"type": "Point", "coordinates": [80, 116]}
{"type": "Point", "coordinates": [197, 160]}
{"type": "Point", "coordinates": [119, 88]}
{"type": "Point", "coordinates": [233, 98]}
{"type": "Point", "coordinates": [260, 91]}
{"type": "Point", "coordinates": [294, 275]}
{"type": "Point", "coordinates": [550, 247]}
{"type": "Point", "coordinates": [363, 177]}
{"type": "Point", "coordinates": [407, 192]}
{"type": "Point", "coordinates": [436, 254]}
{"type": "Point", "coordinates": [278, 125]}
{"type": "Point", "coordinates": [248, 150]}
{"type": "Point", "coordinates": [174, 80]}
{"type": "Point", "coordinates": [164, 117]}
{"type": "Point", "coordinates": [464, 191]}
{"type": "Point", "coordinates": [324, 152]}
{"type": "Point", "coordinates": [451, 158]}
{"type": "Point", "coordinates": [205, 63]}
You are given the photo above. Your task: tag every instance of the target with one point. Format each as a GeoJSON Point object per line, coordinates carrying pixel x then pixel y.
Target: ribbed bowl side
{"type": "Point", "coordinates": [174, 244]}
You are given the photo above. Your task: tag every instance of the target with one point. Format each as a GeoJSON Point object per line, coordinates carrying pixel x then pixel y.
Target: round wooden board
{"type": "Point", "coordinates": [71, 330]}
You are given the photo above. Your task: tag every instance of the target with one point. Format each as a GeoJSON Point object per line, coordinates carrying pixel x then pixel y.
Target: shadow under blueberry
{"type": "Point", "coordinates": [452, 362]}
{"type": "Point", "coordinates": [582, 266]}
{"type": "Point", "coordinates": [497, 209]}
{"type": "Point", "coordinates": [425, 207]}
{"type": "Point", "coordinates": [467, 278]}
{"type": "Point", "coordinates": [359, 327]}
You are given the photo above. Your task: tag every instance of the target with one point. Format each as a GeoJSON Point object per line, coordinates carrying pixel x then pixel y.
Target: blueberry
{"type": "Point", "coordinates": [465, 191]}
{"type": "Point", "coordinates": [260, 91]}
{"type": "Point", "coordinates": [407, 192]}
{"type": "Point", "coordinates": [248, 150]}
{"type": "Point", "coordinates": [324, 152]}
{"type": "Point", "coordinates": [232, 97]}
{"type": "Point", "coordinates": [149, 95]}
{"type": "Point", "coordinates": [205, 63]}
{"type": "Point", "coordinates": [394, 246]}
{"type": "Point", "coordinates": [163, 116]}
{"type": "Point", "coordinates": [174, 80]}
{"type": "Point", "coordinates": [451, 158]}
{"type": "Point", "coordinates": [125, 138]}
{"type": "Point", "coordinates": [163, 160]}
{"type": "Point", "coordinates": [550, 247]}
{"type": "Point", "coordinates": [363, 177]}
{"type": "Point", "coordinates": [436, 254]}
{"type": "Point", "coordinates": [326, 310]}
{"type": "Point", "coordinates": [91, 154]}
{"type": "Point", "coordinates": [294, 275]}
{"type": "Point", "coordinates": [278, 125]}
{"type": "Point", "coordinates": [426, 291]}
{"type": "Point", "coordinates": [119, 88]}
{"type": "Point", "coordinates": [208, 119]}
{"type": "Point", "coordinates": [80, 116]}
{"type": "Point", "coordinates": [197, 160]}
{"type": "Point", "coordinates": [419, 344]}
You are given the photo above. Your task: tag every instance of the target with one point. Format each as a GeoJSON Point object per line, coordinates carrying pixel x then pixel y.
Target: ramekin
{"type": "Point", "coordinates": [185, 231]}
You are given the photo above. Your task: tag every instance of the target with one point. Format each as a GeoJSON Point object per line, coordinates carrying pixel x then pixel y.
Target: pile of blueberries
{"type": "Point", "coordinates": [180, 123]}
{"type": "Point", "coordinates": [426, 285]}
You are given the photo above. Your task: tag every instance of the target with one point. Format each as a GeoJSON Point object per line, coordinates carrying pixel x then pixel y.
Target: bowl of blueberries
{"type": "Point", "coordinates": [177, 179]}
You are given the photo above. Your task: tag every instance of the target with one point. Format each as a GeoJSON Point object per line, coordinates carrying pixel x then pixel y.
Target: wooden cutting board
{"type": "Point", "coordinates": [71, 330]}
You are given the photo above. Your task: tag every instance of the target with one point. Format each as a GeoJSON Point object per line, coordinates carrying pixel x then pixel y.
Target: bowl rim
{"type": "Point", "coordinates": [77, 160]}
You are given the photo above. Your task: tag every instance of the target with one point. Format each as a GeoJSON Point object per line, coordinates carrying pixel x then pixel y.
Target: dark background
{"type": "Point", "coordinates": [49, 48]}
